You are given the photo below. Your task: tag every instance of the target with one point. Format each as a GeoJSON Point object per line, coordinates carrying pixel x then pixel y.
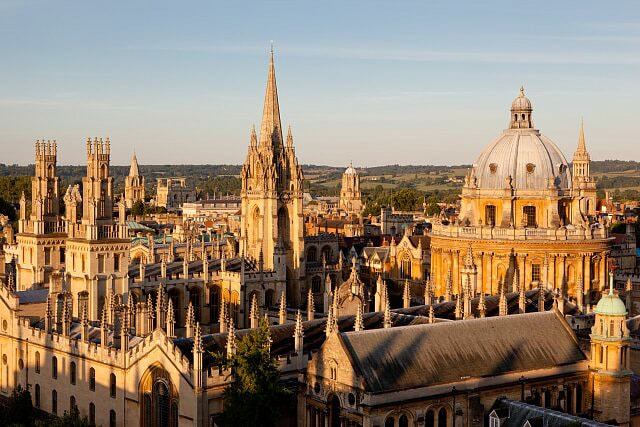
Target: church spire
{"type": "Point", "coordinates": [133, 171]}
{"type": "Point", "coordinates": [271, 129]}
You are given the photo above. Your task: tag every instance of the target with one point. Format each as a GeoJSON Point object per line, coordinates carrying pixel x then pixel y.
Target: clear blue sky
{"type": "Point", "coordinates": [378, 82]}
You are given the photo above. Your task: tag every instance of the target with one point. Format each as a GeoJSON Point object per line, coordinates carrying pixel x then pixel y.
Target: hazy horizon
{"type": "Point", "coordinates": [374, 82]}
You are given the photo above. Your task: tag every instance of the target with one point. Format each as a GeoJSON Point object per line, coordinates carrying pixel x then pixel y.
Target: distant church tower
{"type": "Point", "coordinates": [350, 196]}
{"type": "Point", "coordinates": [133, 184]}
{"type": "Point", "coordinates": [610, 342]}
{"type": "Point", "coordinates": [584, 186]}
{"type": "Point", "coordinates": [272, 224]}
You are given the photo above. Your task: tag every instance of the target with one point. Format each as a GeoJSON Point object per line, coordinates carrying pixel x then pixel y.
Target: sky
{"type": "Point", "coordinates": [374, 82]}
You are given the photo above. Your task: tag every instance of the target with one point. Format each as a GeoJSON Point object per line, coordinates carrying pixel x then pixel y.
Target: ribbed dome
{"type": "Point", "coordinates": [521, 157]}
{"type": "Point", "coordinates": [611, 305]}
{"type": "Point", "coordinates": [532, 161]}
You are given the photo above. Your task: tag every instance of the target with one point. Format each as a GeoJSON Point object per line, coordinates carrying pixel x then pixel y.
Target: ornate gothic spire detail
{"type": "Point", "coordinates": [332, 324]}
{"type": "Point", "coordinates": [254, 313]}
{"type": "Point", "coordinates": [171, 321]}
{"type": "Point", "coordinates": [432, 317]}
{"type": "Point", "coordinates": [271, 129]}
{"type": "Point", "coordinates": [522, 301]}
{"type": "Point", "coordinates": [358, 323]}
{"type": "Point", "coordinates": [231, 339]}
{"type": "Point", "coordinates": [482, 306]}
{"type": "Point", "coordinates": [458, 311]}
{"type": "Point", "coordinates": [541, 299]}
{"type": "Point", "coordinates": [448, 286]}
{"type": "Point", "coordinates": [502, 305]}
{"type": "Point", "coordinates": [311, 306]}
{"type": "Point", "coordinates": [283, 309]}
{"type": "Point", "coordinates": [387, 314]}
{"type": "Point", "coordinates": [298, 334]}
{"type": "Point", "coordinates": [223, 318]}
{"type": "Point", "coordinates": [191, 320]}
{"type": "Point", "coordinates": [406, 295]}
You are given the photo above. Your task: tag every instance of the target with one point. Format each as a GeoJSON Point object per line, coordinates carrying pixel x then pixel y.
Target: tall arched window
{"type": "Point", "coordinates": [269, 297]}
{"type": "Point", "coordinates": [430, 418]}
{"type": "Point", "coordinates": [92, 414]}
{"type": "Point", "coordinates": [161, 403]}
{"type": "Point", "coordinates": [405, 267]}
{"type": "Point", "coordinates": [490, 215]}
{"type": "Point", "coordinates": [159, 399]}
{"type": "Point", "coordinates": [312, 254]}
{"type": "Point", "coordinates": [37, 396]}
{"type": "Point", "coordinates": [442, 417]}
{"type": "Point", "coordinates": [54, 401]}
{"type": "Point", "coordinates": [72, 373]}
{"type": "Point", "coordinates": [54, 367]}
{"type": "Point", "coordinates": [403, 421]}
{"type": "Point", "coordinates": [112, 385]}
{"type": "Point", "coordinates": [390, 422]}
{"type": "Point", "coordinates": [214, 303]}
{"type": "Point", "coordinates": [112, 418]}
{"type": "Point", "coordinates": [316, 283]}
{"type": "Point", "coordinates": [92, 379]}
{"type": "Point", "coordinates": [72, 404]}
{"type": "Point", "coordinates": [37, 362]}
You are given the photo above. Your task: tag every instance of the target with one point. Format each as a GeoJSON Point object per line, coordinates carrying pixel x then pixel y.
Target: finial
{"type": "Point", "coordinates": [271, 42]}
{"type": "Point", "coordinates": [521, 90]}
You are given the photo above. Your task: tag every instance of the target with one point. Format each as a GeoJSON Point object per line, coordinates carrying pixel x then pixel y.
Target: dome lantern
{"type": "Point", "coordinates": [521, 112]}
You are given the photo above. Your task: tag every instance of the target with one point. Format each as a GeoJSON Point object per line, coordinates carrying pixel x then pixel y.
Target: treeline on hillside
{"type": "Point", "coordinates": [609, 166]}
{"type": "Point", "coordinates": [402, 169]}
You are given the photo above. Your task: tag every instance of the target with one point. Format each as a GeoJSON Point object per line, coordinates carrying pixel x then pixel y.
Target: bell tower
{"type": "Point", "coordinates": [583, 185]}
{"type": "Point", "coordinates": [610, 341]}
{"type": "Point", "coordinates": [272, 221]}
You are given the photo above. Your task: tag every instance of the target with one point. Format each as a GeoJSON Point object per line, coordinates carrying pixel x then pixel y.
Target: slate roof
{"type": "Point", "coordinates": [518, 413]}
{"type": "Point", "coordinates": [33, 296]}
{"type": "Point", "coordinates": [421, 355]}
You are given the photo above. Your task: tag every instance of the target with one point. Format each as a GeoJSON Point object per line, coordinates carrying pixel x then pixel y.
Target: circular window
{"type": "Point", "coordinates": [5, 325]}
{"type": "Point", "coordinates": [316, 388]}
{"type": "Point", "coordinates": [530, 167]}
{"type": "Point", "coordinates": [352, 399]}
{"type": "Point", "coordinates": [493, 168]}
{"type": "Point", "coordinates": [20, 364]}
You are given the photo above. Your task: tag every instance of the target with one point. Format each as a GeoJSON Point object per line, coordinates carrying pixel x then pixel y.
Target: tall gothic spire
{"type": "Point", "coordinates": [271, 129]}
{"type": "Point", "coordinates": [133, 171]}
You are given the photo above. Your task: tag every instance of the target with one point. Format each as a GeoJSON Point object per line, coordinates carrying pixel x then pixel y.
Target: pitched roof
{"type": "Point", "coordinates": [421, 355]}
{"type": "Point", "coordinates": [518, 413]}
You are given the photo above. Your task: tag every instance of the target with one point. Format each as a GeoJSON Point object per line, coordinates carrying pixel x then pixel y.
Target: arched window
{"type": "Point", "coordinates": [405, 267]}
{"type": "Point", "coordinates": [92, 379]}
{"type": "Point", "coordinates": [334, 413]}
{"type": "Point", "coordinates": [92, 414]}
{"type": "Point", "coordinates": [390, 422]}
{"type": "Point", "coordinates": [194, 298]}
{"type": "Point", "coordinates": [112, 385]}
{"type": "Point", "coordinates": [37, 362]}
{"type": "Point", "coordinates": [72, 404]}
{"type": "Point", "coordinates": [54, 401]}
{"type": "Point", "coordinates": [430, 419]}
{"type": "Point", "coordinates": [442, 417]}
{"type": "Point", "coordinates": [37, 396]}
{"type": "Point", "coordinates": [214, 303]}
{"type": "Point", "coordinates": [269, 297]}
{"type": "Point", "coordinates": [72, 373]}
{"type": "Point", "coordinates": [403, 421]}
{"type": "Point", "coordinates": [54, 367]}
{"type": "Point", "coordinates": [327, 253]}
{"type": "Point", "coordinates": [161, 398]}
{"type": "Point", "coordinates": [316, 283]}
{"type": "Point", "coordinates": [112, 418]}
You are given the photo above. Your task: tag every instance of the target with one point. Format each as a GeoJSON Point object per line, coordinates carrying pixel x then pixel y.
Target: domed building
{"type": "Point", "coordinates": [526, 219]}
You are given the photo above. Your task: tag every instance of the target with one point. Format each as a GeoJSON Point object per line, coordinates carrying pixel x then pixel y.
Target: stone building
{"type": "Point", "coordinates": [350, 196]}
{"type": "Point", "coordinates": [528, 218]}
{"type": "Point", "coordinates": [172, 193]}
{"type": "Point", "coordinates": [133, 184]}
{"type": "Point", "coordinates": [272, 219]}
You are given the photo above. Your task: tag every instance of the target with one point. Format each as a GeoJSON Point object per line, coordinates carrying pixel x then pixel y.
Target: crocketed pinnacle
{"type": "Point", "coordinates": [271, 129]}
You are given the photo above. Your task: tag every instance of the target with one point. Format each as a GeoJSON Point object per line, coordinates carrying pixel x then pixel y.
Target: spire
{"type": "Point", "coordinates": [387, 314]}
{"type": "Point", "coordinates": [271, 129]}
{"type": "Point", "coordinates": [458, 311]}
{"type": "Point", "coordinates": [222, 319]}
{"type": "Point", "coordinates": [448, 287]}
{"type": "Point", "coordinates": [541, 299]}
{"type": "Point", "coordinates": [171, 321]}
{"type": "Point", "coordinates": [298, 334]}
{"type": "Point", "coordinates": [191, 320]}
{"type": "Point", "coordinates": [482, 305]}
{"type": "Point", "coordinates": [283, 309]}
{"type": "Point", "coordinates": [582, 147]}
{"type": "Point", "coordinates": [84, 321]}
{"type": "Point", "coordinates": [311, 306]}
{"type": "Point", "coordinates": [432, 317]}
{"type": "Point", "coordinates": [502, 305]}
{"type": "Point", "coordinates": [254, 138]}
{"type": "Point", "coordinates": [358, 323]}
{"type": "Point", "coordinates": [522, 301]}
{"type": "Point", "coordinates": [289, 138]}
{"type": "Point", "coordinates": [254, 312]}
{"type": "Point", "coordinates": [231, 339]}
{"type": "Point", "coordinates": [133, 171]}
{"type": "Point", "coordinates": [104, 329]}
{"type": "Point", "coordinates": [406, 296]}
{"type": "Point", "coordinates": [197, 339]}
{"type": "Point", "coordinates": [332, 325]}
{"type": "Point", "coordinates": [427, 292]}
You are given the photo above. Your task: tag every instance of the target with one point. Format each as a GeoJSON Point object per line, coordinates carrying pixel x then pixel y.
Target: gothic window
{"type": "Point", "coordinates": [269, 297]}
{"type": "Point", "coordinates": [92, 379]}
{"type": "Point", "coordinates": [490, 215]}
{"type": "Point", "coordinates": [37, 362]}
{"type": "Point", "coordinates": [72, 373]}
{"type": "Point", "coordinates": [494, 421]}
{"type": "Point", "coordinates": [112, 418]}
{"type": "Point", "coordinates": [578, 398]}
{"type": "Point", "coordinates": [403, 421]}
{"type": "Point", "coordinates": [112, 385]}
{"type": "Point", "coordinates": [214, 303]}
{"type": "Point", "coordinates": [312, 254]}
{"type": "Point", "coordinates": [49, 205]}
{"type": "Point", "coordinates": [316, 283]}
{"type": "Point", "coordinates": [72, 404]}
{"type": "Point", "coordinates": [235, 306]}
{"type": "Point", "coordinates": [54, 367]}
{"type": "Point", "coordinates": [405, 267]}
{"type": "Point", "coordinates": [101, 204]}
{"type": "Point", "coordinates": [535, 272]}
{"type": "Point", "coordinates": [529, 213]}
{"type": "Point", "coordinates": [37, 396]}
{"type": "Point", "coordinates": [429, 419]}
{"type": "Point", "coordinates": [194, 298]}
{"type": "Point", "coordinates": [327, 253]}
{"type": "Point", "coordinates": [390, 422]}
{"type": "Point", "coordinates": [54, 401]}
{"type": "Point", "coordinates": [92, 414]}
{"type": "Point", "coordinates": [442, 417]}
{"type": "Point", "coordinates": [116, 262]}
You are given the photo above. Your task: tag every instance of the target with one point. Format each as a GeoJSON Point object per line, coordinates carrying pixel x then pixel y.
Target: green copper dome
{"type": "Point", "coordinates": [611, 304]}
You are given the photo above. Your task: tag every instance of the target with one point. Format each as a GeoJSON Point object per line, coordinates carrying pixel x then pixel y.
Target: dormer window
{"type": "Point", "coordinates": [493, 168]}
{"type": "Point", "coordinates": [530, 168]}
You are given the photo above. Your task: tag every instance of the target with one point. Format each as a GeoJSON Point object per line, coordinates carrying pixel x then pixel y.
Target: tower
{"type": "Point", "coordinates": [41, 234]}
{"type": "Point", "coordinates": [350, 197]}
{"type": "Point", "coordinates": [97, 260]}
{"type": "Point", "coordinates": [610, 341]}
{"type": "Point", "coordinates": [272, 221]}
{"type": "Point", "coordinates": [583, 185]}
{"type": "Point", "coordinates": [133, 184]}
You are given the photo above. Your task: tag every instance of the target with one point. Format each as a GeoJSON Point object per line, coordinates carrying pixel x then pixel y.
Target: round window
{"type": "Point", "coordinates": [530, 167]}
{"type": "Point", "coordinates": [352, 399]}
{"type": "Point", "coordinates": [493, 168]}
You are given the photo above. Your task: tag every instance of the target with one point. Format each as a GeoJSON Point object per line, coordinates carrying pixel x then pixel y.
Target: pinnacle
{"type": "Point", "coordinates": [271, 128]}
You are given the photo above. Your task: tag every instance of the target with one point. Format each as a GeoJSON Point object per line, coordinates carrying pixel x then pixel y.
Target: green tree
{"type": "Point", "coordinates": [432, 207]}
{"type": "Point", "coordinates": [17, 410]}
{"type": "Point", "coordinates": [256, 397]}
{"type": "Point", "coordinates": [7, 209]}
{"type": "Point", "coordinates": [138, 208]}
{"type": "Point", "coordinates": [407, 199]}
{"type": "Point", "coordinates": [70, 419]}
